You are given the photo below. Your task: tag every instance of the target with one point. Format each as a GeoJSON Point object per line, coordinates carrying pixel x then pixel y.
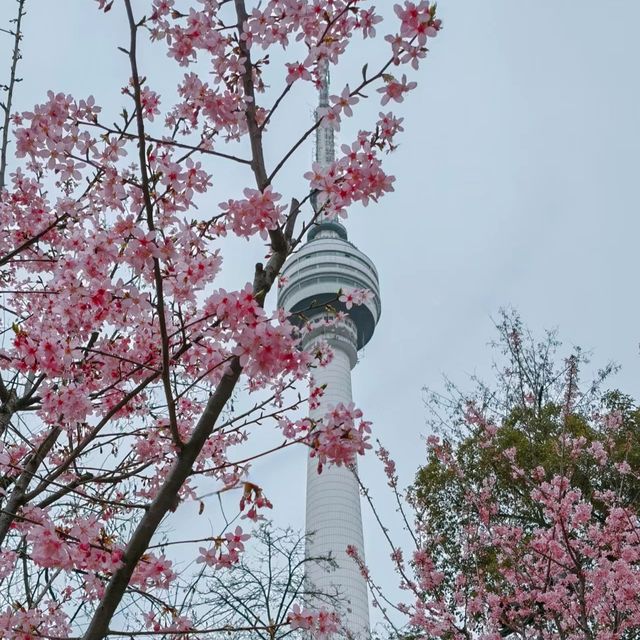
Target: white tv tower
{"type": "Point", "coordinates": [326, 263]}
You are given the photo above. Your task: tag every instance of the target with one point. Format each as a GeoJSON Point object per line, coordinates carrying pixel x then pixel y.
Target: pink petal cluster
{"type": "Point", "coordinates": [340, 436]}
{"type": "Point", "coordinates": [355, 177]}
{"type": "Point", "coordinates": [226, 550]}
{"type": "Point", "coordinates": [50, 620]}
{"type": "Point", "coordinates": [395, 89]}
{"type": "Point", "coordinates": [417, 23]}
{"type": "Point", "coordinates": [82, 545]}
{"type": "Point", "coordinates": [253, 497]}
{"type": "Point", "coordinates": [319, 623]}
{"type": "Point", "coordinates": [349, 297]}
{"type": "Point", "coordinates": [258, 212]}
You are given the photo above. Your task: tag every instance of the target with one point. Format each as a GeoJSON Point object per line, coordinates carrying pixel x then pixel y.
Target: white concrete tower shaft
{"type": "Point", "coordinates": [326, 263]}
{"type": "Point", "coordinates": [333, 514]}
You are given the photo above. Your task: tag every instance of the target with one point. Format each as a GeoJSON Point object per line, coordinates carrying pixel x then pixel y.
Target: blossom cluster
{"type": "Point", "coordinates": [418, 22]}
{"type": "Point", "coordinates": [258, 212]}
{"type": "Point", "coordinates": [351, 296]}
{"type": "Point", "coordinates": [355, 177]}
{"type": "Point", "coordinates": [341, 436]}
{"type": "Point", "coordinates": [226, 550]}
{"type": "Point", "coordinates": [320, 624]}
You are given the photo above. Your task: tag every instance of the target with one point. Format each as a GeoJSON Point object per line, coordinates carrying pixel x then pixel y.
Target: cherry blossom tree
{"type": "Point", "coordinates": [525, 517]}
{"type": "Point", "coordinates": [121, 353]}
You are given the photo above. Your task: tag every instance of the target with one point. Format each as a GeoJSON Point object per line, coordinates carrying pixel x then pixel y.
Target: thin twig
{"type": "Point", "coordinates": [17, 37]}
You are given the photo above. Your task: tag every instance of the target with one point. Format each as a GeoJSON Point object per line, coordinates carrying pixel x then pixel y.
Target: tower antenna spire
{"type": "Point", "coordinates": [323, 69]}
{"type": "Point", "coordinates": [325, 142]}
{"type": "Point", "coordinates": [325, 150]}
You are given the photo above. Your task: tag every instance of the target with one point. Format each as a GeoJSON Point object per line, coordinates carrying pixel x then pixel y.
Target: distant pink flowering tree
{"type": "Point", "coordinates": [121, 352]}
{"type": "Point", "coordinates": [525, 516]}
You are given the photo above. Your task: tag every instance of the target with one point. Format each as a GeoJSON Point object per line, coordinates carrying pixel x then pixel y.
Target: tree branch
{"type": "Point", "coordinates": [148, 205]}
{"type": "Point", "coordinates": [17, 37]}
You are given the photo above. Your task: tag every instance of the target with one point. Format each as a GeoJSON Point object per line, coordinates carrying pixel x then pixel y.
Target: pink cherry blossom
{"type": "Point", "coordinates": [345, 101]}
{"type": "Point", "coordinates": [257, 212]}
{"type": "Point", "coordinates": [395, 90]}
{"type": "Point", "coordinates": [321, 623]}
{"type": "Point", "coordinates": [297, 71]}
{"type": "Point", "coordinates": [350, 297]}
{"type": "Point", "coordinates": [340, 436]}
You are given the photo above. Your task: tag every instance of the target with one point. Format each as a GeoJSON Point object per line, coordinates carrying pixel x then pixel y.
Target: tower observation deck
{"type": "Point", "coordinates": [326, 263]}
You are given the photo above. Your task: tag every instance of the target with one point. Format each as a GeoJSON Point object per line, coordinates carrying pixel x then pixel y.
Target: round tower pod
{"type": "Point", "coordinates": [324, 265]}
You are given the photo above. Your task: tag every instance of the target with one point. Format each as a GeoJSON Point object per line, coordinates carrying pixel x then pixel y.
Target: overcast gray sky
{"type": "Point", "coordinates": [517, 185]}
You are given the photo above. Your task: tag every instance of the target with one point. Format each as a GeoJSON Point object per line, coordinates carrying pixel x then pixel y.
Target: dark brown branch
{"type": "Point", "coordinates": [275, 106]}
{"type": "Point", "coordinates": [17, 37]}
{"type": "Point", "coordinates": [171, 143]}
{"type": "Point", "coordinates": [162, 504]}
{"type": "Point", "coordinates": [148, 205]}
{"type": "Point", "coordinates": [17, 497]}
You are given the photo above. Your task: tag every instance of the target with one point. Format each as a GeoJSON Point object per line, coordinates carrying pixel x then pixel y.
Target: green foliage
{"type": "Point", "coordinates": [541, 419]}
